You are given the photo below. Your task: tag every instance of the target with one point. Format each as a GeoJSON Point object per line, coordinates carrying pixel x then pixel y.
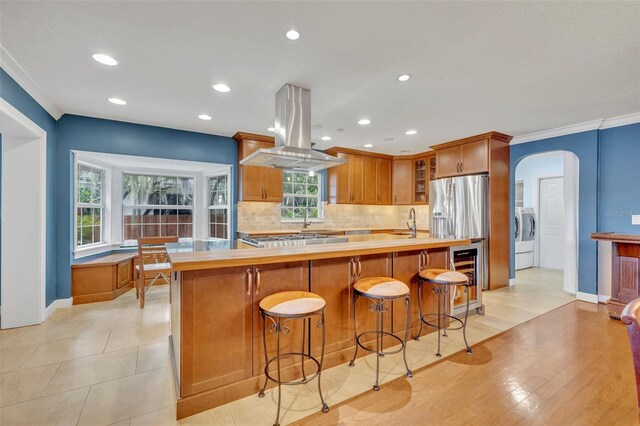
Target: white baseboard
{"type": "Point", "coordinates": [603, 298]}
{"type": "Point", "coordinates": [587, 297]}
{"type": "Point", "coordinates": [512, 281]}
{"type": "Point", "coordinates": [58, 303]}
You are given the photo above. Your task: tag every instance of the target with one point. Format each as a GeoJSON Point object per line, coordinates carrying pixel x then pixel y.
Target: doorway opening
{"type": "Point", "coordinates": [23, 231]}
{"type": "Point", "coordinates": [546, 222]}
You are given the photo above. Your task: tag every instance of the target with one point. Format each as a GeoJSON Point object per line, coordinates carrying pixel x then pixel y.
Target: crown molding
{"type": "Point", "coordinates": [604, 123]}
{"type": "Point", "coordinates": [623, 120]}
{"type": "Point", "coordinates": [22, 77]}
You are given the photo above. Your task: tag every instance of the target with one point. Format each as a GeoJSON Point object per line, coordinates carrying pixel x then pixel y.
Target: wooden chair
{"type": "Point", "coordinates": [630, 317]}
{"type": "Point", "coordinates": [153, 264]}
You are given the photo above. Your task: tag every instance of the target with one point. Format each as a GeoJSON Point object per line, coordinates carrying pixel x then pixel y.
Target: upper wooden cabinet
{"type": "Point", "coordinates": [463, 159]}
{"type": "Point", "coordinates": [423, 172]}
{"type": "Point", "coordinates": [402, 180]}
{"type": "Point", "coordinates": [257, 183]}
{"type": "Point", "coordinates": [364, 179]}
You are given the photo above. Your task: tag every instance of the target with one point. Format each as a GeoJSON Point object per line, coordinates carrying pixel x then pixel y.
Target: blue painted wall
{"type": "Point", "coordinates": [585, 146]}
{"type": "Point", "coordinates": [619, 183]}
{"type": "Point", "coordinates": [11, 92]}
{"type": "Point", "coordinates": [116, 137]}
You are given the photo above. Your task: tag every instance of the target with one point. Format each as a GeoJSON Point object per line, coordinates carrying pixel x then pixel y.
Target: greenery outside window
{"type": "Point", "coordinates": [219, 207]}
{"type": "Point", "coordinates": [301, 192]}
{"type": "Point", "coordinates": [157, 206]}
{"type": "Point", "coordinates": [89, 205]}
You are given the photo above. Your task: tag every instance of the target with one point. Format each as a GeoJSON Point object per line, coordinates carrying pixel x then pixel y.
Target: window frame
{"type": "Point", "coordinates": [78, 205]}
{"type": "Point", "coordinates": [320, 207]}
{"type": "Point", "coordinates": [193, 207]}
{"type": "Point", "coordinates": [227, 206]}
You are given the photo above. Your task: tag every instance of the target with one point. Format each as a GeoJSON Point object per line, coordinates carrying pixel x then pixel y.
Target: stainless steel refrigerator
{"type": "Point", "coordinates": [458, 208]}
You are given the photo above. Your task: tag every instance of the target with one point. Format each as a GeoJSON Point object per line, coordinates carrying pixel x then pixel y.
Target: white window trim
{"type": "Point", "coordinates": [205, 189]}
{"type": "Point", "coordinates": [112, 195]}
{"type": "Point", "coordinates": [321, 206]}
{"type": "Point", "coordinates": [90, 249]}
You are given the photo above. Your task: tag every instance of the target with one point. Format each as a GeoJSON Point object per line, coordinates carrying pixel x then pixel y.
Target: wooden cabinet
{"type": "Point", "coordinates": [267, 280]}
{"type": "Point", "coordinates": [402, 180]}
{"type": "Point", "coordinates": [103, 278]}
{"type": "Point", "coordinates": [463, 159]}
{"type": "Point", "coordinates": [424, 169]}
{"type": "Point", "coordinates": [217, 328]}
{"type": "Point", "coordinates": [257, 183]}
{"type": "Point", "coordinates": [364, 179]}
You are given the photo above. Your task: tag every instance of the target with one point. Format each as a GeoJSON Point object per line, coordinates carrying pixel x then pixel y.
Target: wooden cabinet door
{"type": "Point", "coordinates": [383, 178]}
{"type": "Point", "coordinates": [272, 182]}
{"type": "Point", "coordinates": [474, 157]}
{"type": "Point", "coordinates": [402, 181]}
{"type": "Point", "coordinates": [270, 279]}
{"type": "Point", "coordinates": [448, 161]}
{"type": "Point", "coordinates": [216, 323]}
{"type": "Point", "coordinates": [251, 177]}
{"type": "Point", "coordinates": [375, 265]}
{"type": "Point", "coordinates": [332, 279]}
{"type": "Point", "coordinates": [356, 178]}
{"type": "Point", "coordinates": [343, 196]}
{"type": "Point", "coordinates": [124, 274]}
{"type": "Point", "coordinates": [370, 180]}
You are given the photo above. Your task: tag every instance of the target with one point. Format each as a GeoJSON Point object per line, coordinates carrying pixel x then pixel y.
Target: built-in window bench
{"type": "Point", "coordinates": [103, 278]}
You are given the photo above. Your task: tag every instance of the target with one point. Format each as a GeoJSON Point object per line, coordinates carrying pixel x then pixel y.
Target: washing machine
{"type": "Point", "coordinates": [525, 237]}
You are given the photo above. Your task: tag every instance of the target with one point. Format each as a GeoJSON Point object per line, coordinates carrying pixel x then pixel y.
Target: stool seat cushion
{"type": "Point", "coordinates": [381, 287]}
{"type": "Point", "coordinates": [292, 303]}
{"type": "Point", "coordinates": [444, 276]}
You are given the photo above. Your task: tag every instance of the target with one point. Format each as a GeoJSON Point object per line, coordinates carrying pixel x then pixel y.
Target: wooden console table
{"type": "Point", "coordinates": [625, 270]}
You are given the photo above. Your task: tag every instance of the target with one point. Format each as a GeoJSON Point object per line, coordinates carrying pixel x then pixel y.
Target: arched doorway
{"type": "Point", "coordinates": [546, 221]}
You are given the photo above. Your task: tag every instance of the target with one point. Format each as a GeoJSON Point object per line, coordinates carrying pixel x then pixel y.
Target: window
{"type": "Point", "coordinates": [157, 206]}
{"type": "Point", "coordinates": [219, 207]}
{"type": "Point", "coordinates": [301, 192]}
{"type": "Point", "coordinates": [89, 205]}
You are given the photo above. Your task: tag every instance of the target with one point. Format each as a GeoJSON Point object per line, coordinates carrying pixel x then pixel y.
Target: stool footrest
{"type": "Point", "coordinates": [382, 333]}
{"type": "Point", "coordinates": [430, 323]}
{"type": "Point", "coordinates": [307, 378]}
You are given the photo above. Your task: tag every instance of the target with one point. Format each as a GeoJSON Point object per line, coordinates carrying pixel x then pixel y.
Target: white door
{"type": "Point", "coordinates": [551, 223]}
{"type": "Point", "coordinates": [23, 219]}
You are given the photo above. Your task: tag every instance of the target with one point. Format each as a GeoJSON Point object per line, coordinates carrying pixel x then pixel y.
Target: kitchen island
{"type": "Point", "coordinates": [216, 328]}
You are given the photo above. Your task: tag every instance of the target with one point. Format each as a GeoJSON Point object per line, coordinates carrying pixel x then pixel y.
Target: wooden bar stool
{"type": "Point", "coordinates": [380, 290]}
{"type": "Point", "coordinates": [281, 308]}
{"type": "Point", "coordinates": [444, 282]}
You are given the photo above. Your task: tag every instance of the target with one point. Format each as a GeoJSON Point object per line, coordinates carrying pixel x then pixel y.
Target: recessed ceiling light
{"type": "Point", "coordinates": [387, 140]}
{"type": "Point", "coordinates": [410, 132]}
{"type": "Point", "coordinates": [364, 121]}
{"type": "Point", "coordinates": [220, 87]}
{"type": "Point", "coordinates": [326, 138]}
{"type": "Point", "coordinates": [271, 129]}
{"type": "Point", "coordinates": [292, 34]}
{"type": "Point", "coordinates": [104, 59]}
{"type": "Point", "coordinates": [204, 117]}
{"type": "Point", "coordinates": [117, 101]}
{"type": "Point", "coordinates": [404, 77]}
{"type": "Point", "coordinates": [368, 145]}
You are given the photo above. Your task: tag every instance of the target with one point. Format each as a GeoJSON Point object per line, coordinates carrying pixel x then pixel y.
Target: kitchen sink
{"type": "Point", "coordinates": [400, 233]}
{"type": "Point", "coordinates": [319, 231]}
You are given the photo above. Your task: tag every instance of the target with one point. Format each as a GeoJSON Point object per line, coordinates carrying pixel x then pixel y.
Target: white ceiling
{"type": "Point", "coordinates": [513, 67]}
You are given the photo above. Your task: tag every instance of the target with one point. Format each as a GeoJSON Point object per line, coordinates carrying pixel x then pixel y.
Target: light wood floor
{"type": "Point", "coordinates": [570, 366]}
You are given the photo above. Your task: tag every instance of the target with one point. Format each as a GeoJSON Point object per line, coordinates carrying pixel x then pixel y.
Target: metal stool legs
{"type": "Point", "coordinates": [378, 306]}
{"type": "Point", "coordinates": [442, 290]}
{"type": "Point", "coordinates": [277, 327]}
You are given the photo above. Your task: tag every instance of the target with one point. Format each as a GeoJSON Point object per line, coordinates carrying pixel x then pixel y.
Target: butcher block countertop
{"type": "Point", "coordinates": [612, 236]}
{"type": "Point", "coordinates": [189, 258]}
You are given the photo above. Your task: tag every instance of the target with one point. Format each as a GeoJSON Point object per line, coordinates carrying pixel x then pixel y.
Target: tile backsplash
{"type": "Point", "coordinates": [260, 215]}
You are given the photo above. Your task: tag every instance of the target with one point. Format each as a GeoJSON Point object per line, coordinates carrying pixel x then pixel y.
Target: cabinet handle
{"type": "Point", "coordinates": [461, 167]}
{"type": "Point", "coordinates": [258, 286]}
{"type": "Point", "coordinates": [359, 268]}
{"type": "Point", "coordinates": [426, 259]}
{"type": "Point", "coordinates": [395, 199]}
{"type": "Point", "coordinates": [352, 273]}
{"type": "Point", "coordinates": [419, 262]}
{"type": "Point", "coordinates": [249, 281]}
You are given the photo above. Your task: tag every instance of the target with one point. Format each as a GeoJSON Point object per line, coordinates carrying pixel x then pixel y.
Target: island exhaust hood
{"type": "Point", "coordinates": [293, 136]}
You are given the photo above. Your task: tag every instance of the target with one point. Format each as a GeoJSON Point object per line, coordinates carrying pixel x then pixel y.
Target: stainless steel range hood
{"type": "Point", "coordinates": [293, 136]}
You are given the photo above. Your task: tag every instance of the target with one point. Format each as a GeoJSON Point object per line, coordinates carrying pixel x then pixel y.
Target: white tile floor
{"type": "Point", "coordinates": [108, 363]}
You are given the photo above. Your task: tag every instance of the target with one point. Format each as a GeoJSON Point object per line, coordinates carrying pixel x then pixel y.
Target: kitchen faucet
{"type": "Point", "coordinates": [306, 223]}
{"type": "Point", "coordinates": [412, 227]}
